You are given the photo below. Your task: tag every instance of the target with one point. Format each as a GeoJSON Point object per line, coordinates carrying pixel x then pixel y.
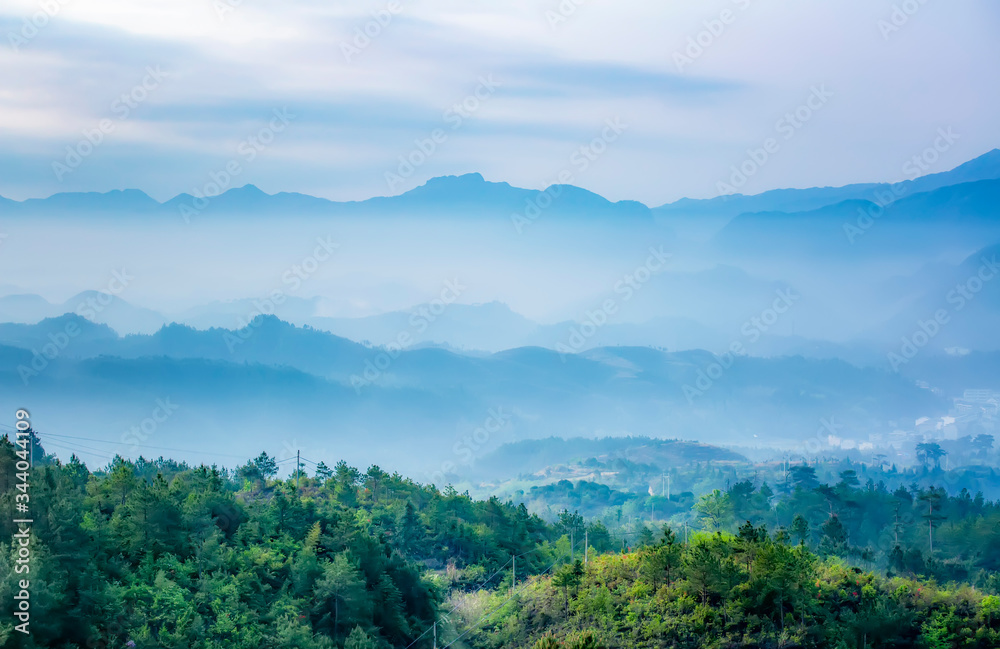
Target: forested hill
{"type": "Point", "coordinates": [164, 555]}
{"type": "Point", "coordinates": [529, 456]}
{"type": "Point", "coordinates": [159, 554]}
{"type": "Point", "coordinates": [718, 591]}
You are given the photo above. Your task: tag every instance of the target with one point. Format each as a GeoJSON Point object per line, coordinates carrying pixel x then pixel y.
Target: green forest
{"type": "Point", "coordinates": [156, 553]}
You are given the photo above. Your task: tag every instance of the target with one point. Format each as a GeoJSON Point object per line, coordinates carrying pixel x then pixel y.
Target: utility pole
{"type": "Point", "coordinates": [668, 486]}
{"type": "Point", "coordinates": [586, 546]}
{"type": "Point", "coordinates": [298, 469]}
{"type": "Point", "coordinates": [435, 635]}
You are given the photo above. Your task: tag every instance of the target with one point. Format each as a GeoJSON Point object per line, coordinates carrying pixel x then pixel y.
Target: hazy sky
{"type": "Point", "coordinates": [549, 77]}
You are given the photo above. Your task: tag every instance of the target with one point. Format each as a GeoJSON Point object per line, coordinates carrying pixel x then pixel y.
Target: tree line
{"type": "Point", "coordinates": [157, 553]}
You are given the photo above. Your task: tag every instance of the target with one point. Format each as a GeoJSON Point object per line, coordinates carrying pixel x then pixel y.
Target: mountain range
{"type": "Point", "coordinates": [722, 295]}
{"type": "Point", "coordinates": [471, 193]}
{"type": "Point", "coordinates": [717, 211]}
{"type": "Point", "coordinates": [276, 382]}
{"type": "Point", "coordinates": [774, 317]}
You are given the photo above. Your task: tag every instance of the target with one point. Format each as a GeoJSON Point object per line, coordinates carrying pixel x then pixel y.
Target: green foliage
{"type": "Point", "coordinates": [160, 554]}
{"type": "Point", "coordinates": [568, 578]}
{"type": "Point", "coordinates": [745, 590]}
{"type": "Point", "coordinates": [912, 530]}
{"type": "Point", "coordinates": [165, 555]}
{"type": "Point", "coordinates": [358, 639]}
{"type": "Point", "coordinates": [714, 508]}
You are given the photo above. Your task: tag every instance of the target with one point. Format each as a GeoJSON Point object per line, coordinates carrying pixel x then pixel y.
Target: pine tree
{"type": "Point", "coordinates": [340, 597]}
{"type": "Point", "coordinates": [411, 529]}
{"type": "Point", "coordinates": [323, 472]}
{"type": "Point", "coordinates": [568, 577]}
{"type": "Point", "coordinates": [800, 528]}
{"type": "Point", "coordinates": [358, 639]}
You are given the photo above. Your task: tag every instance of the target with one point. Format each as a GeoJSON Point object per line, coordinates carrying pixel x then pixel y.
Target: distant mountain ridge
{"type": "Point", "coordinates": [530, 456]}
{"type": "Point", "coordinates": [984, 167]}
{"type": "Point", "coordinates": [315, 388]}
{"type": "Point", "coordinates": [472, 191]}
{"type": "Point", "coordinates": [466, 193]}
{"type": "Point", "coordinates": [97, 306]}
{"type": "Point", "coordinates": [962, 215]}
{"type": "Point", "coordinates": [490, 327]}
{"type": "Point", "coordinates": [494, 327]}
{"type": "Point", "coordinates": [884, 261]}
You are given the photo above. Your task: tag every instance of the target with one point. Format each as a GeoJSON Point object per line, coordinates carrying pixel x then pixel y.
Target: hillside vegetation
{"type": "Point", "coordinates": [747, 590]}
{"type": "Point", "coordinates": [160, 554]}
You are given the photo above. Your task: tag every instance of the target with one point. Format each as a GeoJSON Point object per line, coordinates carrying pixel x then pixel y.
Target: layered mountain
{"type": "Point", "coordinates": [956, 307]}
{"type": "Point", "coordinates": [469, 195]}
{"type": "Point", "coordinates": [958, 217]}
{"type": "Point", "coordinates": [531, 456]}
{"type": "Point", "coordinates": [102, 307]}
{"type": "Point", "coordinates": [714, 213]}
{"type": "Point", "coordinates": [273, 382]}
{"type": "Point", "coordinates": [843, 280]}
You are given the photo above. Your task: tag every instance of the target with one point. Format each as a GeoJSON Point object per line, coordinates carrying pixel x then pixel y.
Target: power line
{"type": "Point", "coordinates": [490, 578]}
{"type": "Point", "coordinates": [455, 608]}
{"type": "Point", "coordinates": [59, 442]}
{"type": "Point", "coordinates": [514, 593]}
{"type": "Point", "coordinates": [158, 448]}
{"type": "Point", "coordinates": [201, 452]}
{"type": "Point", "coordinates": [74, 447]}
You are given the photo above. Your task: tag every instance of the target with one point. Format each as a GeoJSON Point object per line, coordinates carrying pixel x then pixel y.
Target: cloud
{"type": "Point", "coordinates": [559, 84]}
{"type": "Point", "coordinates": [579, 79]}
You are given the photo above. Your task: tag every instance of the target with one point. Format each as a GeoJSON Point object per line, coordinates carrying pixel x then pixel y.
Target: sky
{"type": "Point", "coordinates": [651, 101]}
